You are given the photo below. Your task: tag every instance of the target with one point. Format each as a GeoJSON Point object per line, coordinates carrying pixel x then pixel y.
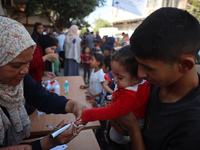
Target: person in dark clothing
{"type": "Point", "coordinates": [104, 44]}
{"type": "Point", "coordinates": [165, 45]}
{"type": "Point", "coordinates": [17, 86]}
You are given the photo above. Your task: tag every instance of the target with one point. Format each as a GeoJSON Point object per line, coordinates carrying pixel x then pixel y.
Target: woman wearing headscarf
{"type": "Point", "coordinates": [48, 45]}
{"type": "Point", "coordinates": [111, 41]}
{"type": "Point", "coordinates": [72, 47]}
{"type": "Point", "coordinates": [40, 64]}
{"type": "Point", "coordinates": [37, 31]}
{"type": "Point", "coordinates": [16, 49]}
{"type": "Point", "coordinates": [104, 44]}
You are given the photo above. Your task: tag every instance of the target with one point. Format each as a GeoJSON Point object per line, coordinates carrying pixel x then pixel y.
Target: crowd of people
{"type": "Point", "coordinates": [69, 50]}
{"type": "Point", "coordinates": [146, 94]}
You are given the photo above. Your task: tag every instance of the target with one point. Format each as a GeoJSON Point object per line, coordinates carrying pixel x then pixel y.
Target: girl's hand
{"type": "Point", "coordinates": [83, 86]}
{"type": "Point", "coordinates": [52, 56]}
{"type": "Point", "coordinates": [51, 75]}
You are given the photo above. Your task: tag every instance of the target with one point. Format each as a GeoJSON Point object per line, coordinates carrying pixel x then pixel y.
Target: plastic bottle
{"type": "Point", "coordinates": [57, 89]}
{"type": "Point", "coordinates": [66, 86]}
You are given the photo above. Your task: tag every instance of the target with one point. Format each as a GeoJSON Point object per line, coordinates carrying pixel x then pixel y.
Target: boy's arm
{"type": "Point", "coordinates": [129, 121]}
{"type": "Point", "coordinates": [106, 87]}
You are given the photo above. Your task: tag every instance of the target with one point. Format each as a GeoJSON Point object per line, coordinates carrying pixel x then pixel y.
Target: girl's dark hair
{"type": "Point", "coordinates": [107, 61]}
{"type": "Point", "coordinates": [125, 57]}
{"type": "Point", "coordinates": [99, 57]}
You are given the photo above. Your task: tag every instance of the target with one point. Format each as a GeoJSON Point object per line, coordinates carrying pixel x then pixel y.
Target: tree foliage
{"type": "Point", "coordinates": [100, 23]}
{"type": "Point", "coordinates": [63, 12]}
{"type": "Point", "coordinates": [194, 8]}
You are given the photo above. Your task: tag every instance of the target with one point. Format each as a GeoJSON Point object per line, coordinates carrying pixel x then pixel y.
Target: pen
{"type": "Point", "coordinates": [53, 135]}
{"type": "Point", "coordinates": [52, 127]}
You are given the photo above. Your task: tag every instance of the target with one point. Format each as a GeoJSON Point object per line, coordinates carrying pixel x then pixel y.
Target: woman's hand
{"type": "Point", "coordinates": [76, 108]}
{"type": "Point", "coordinates": [63, 138]}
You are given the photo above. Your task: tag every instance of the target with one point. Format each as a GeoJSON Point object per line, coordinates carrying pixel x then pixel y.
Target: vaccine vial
{"type": "Point", "coordinates": [66, 86]}
{"type": "Point", "coordinates": [57, 89]}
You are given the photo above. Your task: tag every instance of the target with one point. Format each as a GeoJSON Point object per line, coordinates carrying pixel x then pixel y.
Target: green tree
{"type": "Point", "coordinates": [63, 12]}
{"type": "Point", "coordinates": [194, 8]}
{"type": "Point", "coordinates": [100, 23]}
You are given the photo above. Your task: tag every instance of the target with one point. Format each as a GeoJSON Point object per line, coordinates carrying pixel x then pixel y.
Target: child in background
{"type": "Point", "coordinates": [95, 87]}
{"type": "Point", "coordinates": [106, 52]}
{"type": "Point", "coordinates": [97, 48]}
{"type": "Point", "coordinates": [48, 45]}
{"type": "Point", "coordinates": [132, 94]}
{"type": "Point", "coordinates": [85, 59]}
{"type": "Point", "coordinates": [117, 42]}
{"type": "Point", "coordinates": [108, 84]}
{"type": "Point", "coordinates": [124, 44]}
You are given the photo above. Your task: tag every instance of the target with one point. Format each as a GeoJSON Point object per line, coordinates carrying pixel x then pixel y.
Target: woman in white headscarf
{"type": "Point", "coordinates": [16, 49]}
{"type": "Point", "coordinates": [72, 47]}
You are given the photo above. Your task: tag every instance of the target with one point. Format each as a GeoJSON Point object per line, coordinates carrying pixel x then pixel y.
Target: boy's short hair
{"type": "Point", "coordinates": [165, 35]}
{"type": "Point", "coordinates": [107, 61]}
{"type": "Point", "coordinates": [125, 57]}
{"type": "Point", "coordinates": [99, 57]}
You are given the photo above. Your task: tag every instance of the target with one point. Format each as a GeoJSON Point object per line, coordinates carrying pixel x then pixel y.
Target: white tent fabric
{"type": "Point", "coordinates": [133, 6]}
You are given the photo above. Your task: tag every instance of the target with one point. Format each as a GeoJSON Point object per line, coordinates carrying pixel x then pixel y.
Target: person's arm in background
{"type": "Point", "coordinates": [88, 95]}
{"type": "Point", "coordinates": [106, 86]}
{"type": "Point", "coordinates": [37, 96]}
{"type": "Point", "coordinates": [129, 121]}
{"type": "Point", "coordinates": [52, 56]}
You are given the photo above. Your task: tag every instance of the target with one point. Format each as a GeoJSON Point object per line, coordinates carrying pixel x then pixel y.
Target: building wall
{"type": "Point", "coordinates": [29, 22]}
{"type": "Point", "coordinates": [128, 22]}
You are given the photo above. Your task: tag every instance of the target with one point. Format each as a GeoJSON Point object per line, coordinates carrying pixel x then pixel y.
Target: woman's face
{"type": "Point", "coordinates": [13, 72]}
{"type": "Point", "coordinates": [39, 29]}
{"type": "Point", "coordinates": [51, 49]}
